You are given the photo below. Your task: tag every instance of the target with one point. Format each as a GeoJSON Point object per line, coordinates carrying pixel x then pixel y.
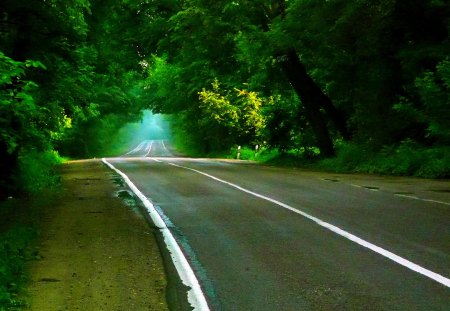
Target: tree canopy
{"type": "Point", "coordinates": [287, 74]}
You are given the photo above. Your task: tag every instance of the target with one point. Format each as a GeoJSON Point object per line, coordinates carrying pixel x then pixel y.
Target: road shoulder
{"type": "Point", "coordinates": [97, 253]}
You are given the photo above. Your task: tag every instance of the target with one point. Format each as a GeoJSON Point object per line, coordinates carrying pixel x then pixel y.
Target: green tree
{"type": "Point", "coordinates": [234, 116]}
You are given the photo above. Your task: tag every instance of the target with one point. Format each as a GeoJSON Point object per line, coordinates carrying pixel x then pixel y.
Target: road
{"type": "Point", "coordinates": [268, 238]}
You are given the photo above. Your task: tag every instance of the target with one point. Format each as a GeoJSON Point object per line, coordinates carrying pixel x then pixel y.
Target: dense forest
{"type": "Point", "coordinates": [359, 84]}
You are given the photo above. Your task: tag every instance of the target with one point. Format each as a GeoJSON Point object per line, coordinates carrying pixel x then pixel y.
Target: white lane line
{"type": "Point", "coordinates": [168, 153]}
{"type": "Point", "coordinates": [149, 148]}
{"type": "Point", "coordinates": [164, 146]}
{"type": "Point", "coordinates": [420, 199]}
{"type": "Point", "coordinates": [139, 147]}
{"type": "Point", "coordinates": [405, 196]}
{"type": "Point", "coordinates": [400, 260]}
{"type": "Point", "coordinates": [196, 298]}
{"type": "Point", "coordinates": [354, 185]}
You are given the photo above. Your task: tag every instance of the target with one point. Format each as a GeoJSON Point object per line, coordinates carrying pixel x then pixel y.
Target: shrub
{"type": "Point", "coordinates": [408, 158]}
{"type": "Point", "coordinates": [36, 170]}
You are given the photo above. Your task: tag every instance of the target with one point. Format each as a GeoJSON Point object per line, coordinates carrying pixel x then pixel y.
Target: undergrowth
{"type": "Point", "coordinates": [405, 159]}
{"type": "Point", "coordinates": [36, 181]}
{"type": "Point", "coordinates": [14, 254]}
{"type": "Point", "coordinates": [36, 171]}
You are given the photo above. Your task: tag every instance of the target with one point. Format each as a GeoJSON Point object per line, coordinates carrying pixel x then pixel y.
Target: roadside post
{"type": "Point", "coordinates": [238, 155]}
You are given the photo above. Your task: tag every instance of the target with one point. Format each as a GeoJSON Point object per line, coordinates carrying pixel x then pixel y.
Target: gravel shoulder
{"type": "Point", "coordinates": [97, 252]}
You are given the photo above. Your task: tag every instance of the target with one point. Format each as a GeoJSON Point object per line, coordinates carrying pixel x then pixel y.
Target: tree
{"type": "Point", "coordinates": [87, 76]}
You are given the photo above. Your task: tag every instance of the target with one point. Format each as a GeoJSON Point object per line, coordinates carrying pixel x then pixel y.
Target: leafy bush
{"type": "Point", "coordinates": [434, 91]}
{"type": "Point", "coordinates": [349, 157]}
{"type": "Point", "coordinates": [407, 158]}
{"type": "Point", "coordinates": [36, 170]}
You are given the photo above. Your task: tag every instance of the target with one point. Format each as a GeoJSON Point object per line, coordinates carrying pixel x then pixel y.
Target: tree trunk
{"type": "Point", "coordinates": [312, 99]}
{"type": "Point", "coordinates": [8, 164]}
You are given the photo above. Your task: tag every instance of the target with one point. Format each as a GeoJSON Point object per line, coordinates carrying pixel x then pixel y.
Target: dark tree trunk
{"type": "Point", "coordinates": [312, 99]}
{"type": "Point", "coordinates": [8, 164]}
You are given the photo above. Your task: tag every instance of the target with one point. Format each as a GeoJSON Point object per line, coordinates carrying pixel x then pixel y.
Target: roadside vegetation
{"type": "Point", "coordinates": [348, 86]}
{"type": "Point", "coordinates": [18, 236]}
{"type": "Point", "coordinates": [352, 85]}
{"type": "Point", "coordinates": [15, 252]}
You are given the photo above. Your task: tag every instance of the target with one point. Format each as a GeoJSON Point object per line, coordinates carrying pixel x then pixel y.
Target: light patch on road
{"type": "Point", "coordinates": [196, 298]}
{"type": "Point", "coordinates": [400, 260]}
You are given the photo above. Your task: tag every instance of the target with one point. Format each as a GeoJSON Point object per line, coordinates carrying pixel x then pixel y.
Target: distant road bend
{"type": "Point", "coordinates": [251, 237]}
{"type": "Point", "coordinates": [150, 148]}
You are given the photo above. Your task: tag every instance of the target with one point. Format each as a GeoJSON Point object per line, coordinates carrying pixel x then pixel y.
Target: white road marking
{"type": "Point", "coordinates": [149, 148]}
{"type": "Point", "coordinates": [164, 146]}
{"type": "Point", "coordinates": [196, 298]}
{"type": "Point", "coordinates": [139, 147]}
{"type": "Point", "coordinates": [420, 199]}
{"type": "Point", "coordinates": [400, 260]}
{"type": "Point", "coordinates": [354, 185]}
{"type": "Point", "coordinates": [405, 196]}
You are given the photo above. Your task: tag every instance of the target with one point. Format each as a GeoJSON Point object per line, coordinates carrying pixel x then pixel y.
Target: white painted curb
{"type": "Point", "coordinates": [196, 298]}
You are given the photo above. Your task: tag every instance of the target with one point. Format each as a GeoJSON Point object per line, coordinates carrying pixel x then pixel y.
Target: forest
{"type": "Point", "coordinates": [350, 85]}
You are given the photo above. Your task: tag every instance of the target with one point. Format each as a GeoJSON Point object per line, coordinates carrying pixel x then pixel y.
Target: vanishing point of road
{"type": "Point", "coordinates": [267, 238]}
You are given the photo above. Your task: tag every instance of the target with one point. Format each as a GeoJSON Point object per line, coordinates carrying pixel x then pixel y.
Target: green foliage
{"type": "Point", "coordinates": [161, 91]}
{"type": "Point", "coordinates": [66, 67]}
{"type": "Point", "coordinates": [262, 154]}
{"type": "Point", "coordinates": [14, 253]}
{"type": "Point", "coordinates": [73, 72]}
{"type": "Point", "coordinates": [408, 158]}
{"type": "Point", "coordinates": [235, 117]}
{"type": "Point", "coordinates": [20, 116]}
{"type": "Point", "coordinates": [434, 91]}
{"type": "Point", "coordinates": [221, 119]}
{"type": "Point", "coordinates": [36, 171]}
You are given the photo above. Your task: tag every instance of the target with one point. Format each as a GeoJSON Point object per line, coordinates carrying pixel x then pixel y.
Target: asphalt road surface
{"type": "Point", "coordinates": [267, 238]}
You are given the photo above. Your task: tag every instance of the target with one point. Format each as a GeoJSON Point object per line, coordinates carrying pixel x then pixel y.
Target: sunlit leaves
{"type": "Point", "coordinates": [238, 113]}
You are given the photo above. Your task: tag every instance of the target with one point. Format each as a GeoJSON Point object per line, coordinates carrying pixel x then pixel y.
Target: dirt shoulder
{"type": "Point", "coordinates": [97, 252]}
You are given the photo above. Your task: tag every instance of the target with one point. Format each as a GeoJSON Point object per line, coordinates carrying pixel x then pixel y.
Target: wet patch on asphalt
{"type": "Point", "coordinates": [440, 190]}
{"type": "Point", "coordinates": [130, 200]}
{"type": "Point", "coordinates": [331, 179]}
{"type": "Point", "coordinates": [126, 195]}
{"type": "Point", "coordinates": [117, 180]}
